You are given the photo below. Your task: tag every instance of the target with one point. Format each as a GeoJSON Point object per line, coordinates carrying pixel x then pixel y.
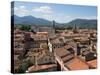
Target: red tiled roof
{"type": "Point", "coordinates": [42, 67]}
{"type": "Point", "coordinates": [93, 63]}
{"type": "Point", "coordinates": [61, 51]}
{"type": "Point", "coordinates": [77, 64]}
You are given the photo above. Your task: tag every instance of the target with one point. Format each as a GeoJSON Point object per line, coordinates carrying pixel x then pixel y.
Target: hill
{"type": "Point", "coordinates": [30, 20]}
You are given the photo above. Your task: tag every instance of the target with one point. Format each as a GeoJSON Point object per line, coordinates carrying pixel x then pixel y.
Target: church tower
{"type": "Point", "coordinates": [75, 29]}
{"type": "Point", "coordinates": [53, 23]}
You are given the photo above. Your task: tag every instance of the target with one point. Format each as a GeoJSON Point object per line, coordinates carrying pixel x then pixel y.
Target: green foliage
{"type": "Point", "coordinates": [25, 27]}
{"type": "Point", "coordinates": [69, 27]}
{"type": "Point", "coordinates": [24, 66]}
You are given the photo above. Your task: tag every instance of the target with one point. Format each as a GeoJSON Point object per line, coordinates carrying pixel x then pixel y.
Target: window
{"type": "Point", "coordinates": [46, 59]}
{"type": "Point", "coordinates": [17, 45]}
{"type": "Point", "coordinates": [49, 59]}
{"type": "Point", "coordinates": [54, 47]}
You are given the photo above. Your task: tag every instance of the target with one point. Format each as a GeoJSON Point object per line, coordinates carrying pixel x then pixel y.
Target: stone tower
{"type": "Point", "coordinates": [75, 29]}
{"type": "Point", "coordinates": [53, 23]}
{"type": "Point", "coordinates": [78, 48]}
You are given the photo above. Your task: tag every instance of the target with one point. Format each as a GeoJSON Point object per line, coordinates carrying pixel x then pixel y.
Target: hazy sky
{"type": "Point", "coordinates": [61, 13]}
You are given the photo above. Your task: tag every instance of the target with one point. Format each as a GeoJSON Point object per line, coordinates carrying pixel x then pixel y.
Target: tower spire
{"type": "Point", "coordinates": [53, 25]}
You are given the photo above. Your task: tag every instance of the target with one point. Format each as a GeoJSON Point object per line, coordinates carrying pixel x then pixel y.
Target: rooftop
{"type": "Point", "coordinates": [61, 51]}
{"type": "Point", "coordinates": [39, 36]}
{"type": "Point", "coordinates": [41, 67]}
{"type": "Point", "coordinates": [77, 64]}
{"type": "Point", "coordinates": [93, 63]}
{"type": "Point", "coordinates": [42, 33]}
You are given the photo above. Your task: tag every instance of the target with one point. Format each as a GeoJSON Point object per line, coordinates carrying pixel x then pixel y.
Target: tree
{"type": "Point", "coordinates": [24, 66]}
{"type": "Point", "coordinates": [69, 27]}
{"type": "Point", "coordinates": [25, 27]}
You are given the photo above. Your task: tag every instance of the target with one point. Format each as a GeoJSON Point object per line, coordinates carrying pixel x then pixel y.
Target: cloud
{"type": "Point", "coordinates": [15, 8]}
{"type": "Point", "coordinates": [22, 7]}
{"type": "Point", "coordinates": [21, 11]}
{"type": "Point", "coordinates": [89, 17]}
{"type": "Point", "coordinates": [60, 18]}
{"type": "Point", "coordinates": [63, 18]}
{"type": "Point", "coordinates": [43, 9]}
{"type": "Point", "coordinates": [46, 12]}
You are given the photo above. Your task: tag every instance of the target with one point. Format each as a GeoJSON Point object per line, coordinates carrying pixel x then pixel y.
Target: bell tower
{"type": "Point", "coordinates": [75, 29]}
{"type": "Point", "coordinates": [53, 23]}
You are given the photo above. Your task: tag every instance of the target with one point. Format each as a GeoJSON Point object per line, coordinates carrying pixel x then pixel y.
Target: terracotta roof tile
{"type": "Point", "coordinates": [76, 64]}
{"type": "Point", "coordinates": [93, 63]}
{"type": "Point", "coordinates": [41, 67]}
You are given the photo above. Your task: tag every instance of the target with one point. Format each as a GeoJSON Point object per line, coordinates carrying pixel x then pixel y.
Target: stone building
{"type": "Point", "coordinates": [18, 47]}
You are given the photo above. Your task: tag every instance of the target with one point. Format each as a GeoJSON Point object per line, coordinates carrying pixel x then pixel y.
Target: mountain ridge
{"type": "Point", "coordinates": [31, 20]}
